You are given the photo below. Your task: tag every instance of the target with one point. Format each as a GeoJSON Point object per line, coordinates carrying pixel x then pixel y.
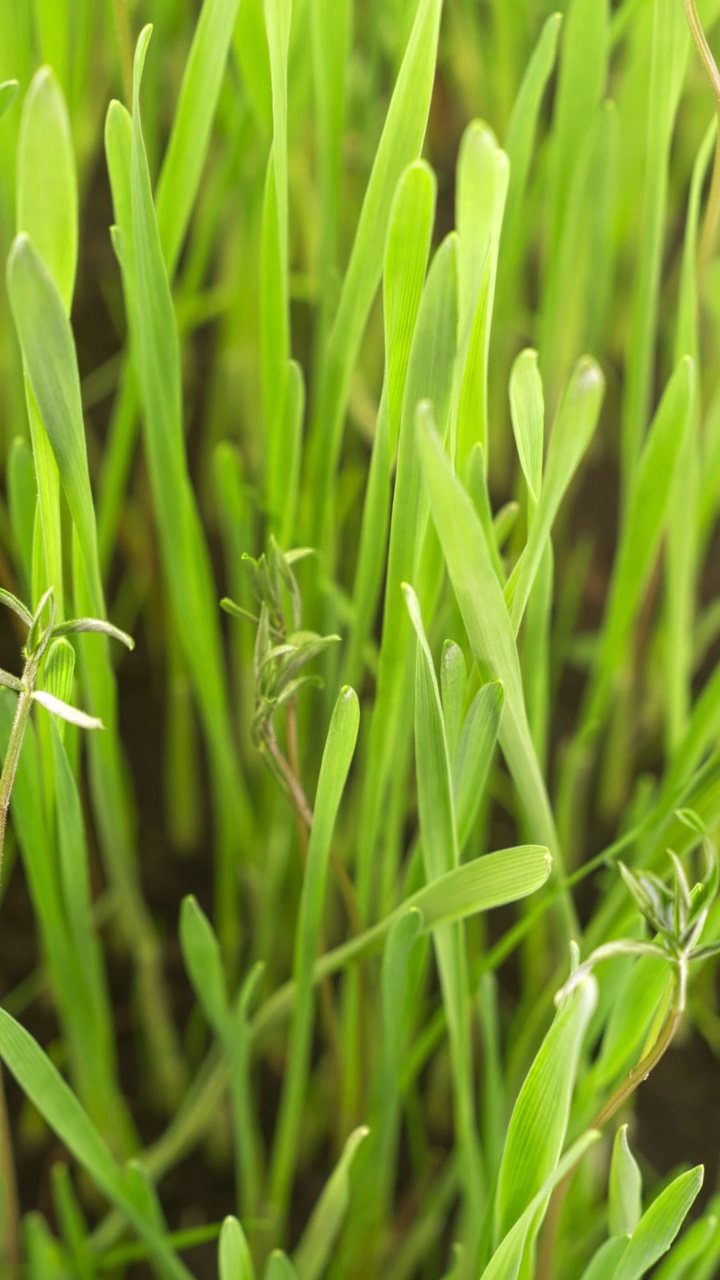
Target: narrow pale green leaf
{"type": "Point", "coordinates": [473, 759]}
{"type": "Point", "coordinates": [486, 619]}
{"type": "Point", "coordinates": [506, 1261]}
{"type": "Point", "coordinates": [337, 757]}
{"type": "Point", "coordinates": [647, 507]}
{"type": "Point", "coordinates": [602, 1266]}
{"type": "Point", "coordinates": [482, 179]}
{"type": "Point", "coordinates": [201, 952]}
{"type": "Point", "coordinates": [315, 1249]}
{"type": "Point", "coordinates": [60, 669]}
{"type": "Point", "coordinates": [8, 94]}
{"type": "Point", "coordinates": [453, 685]}
{"type": "Point", "coordinates": [280, 1267]}
{"type": "Point", "coordinates": [441, 854]}
{"type": "Point", "coordinates": [527, 408]}
{"type": "Point", "coordinates": [406, 258]}
{"type": "Point", "coordinates": [685, 1260]}
{"type": "Point", "coordinates": [659, 1225]}
{"type": "Point", "coordinates": [625, 1188]}
{"type": "Point", "coordinates": [430, 373]}
{"type": "Point", "coordinates": [234, 1259]}
{"type": "Point", "coordinates": [47, 1090]}
{"type": "Point", "coordinates": [400, 144]}
{"type": "Point", "coordinates": [576, 421]}
{"type": "Point", "coordinates": [192, 122]}
{"type": "Point", "coordinates": [47, 203]}
{"type": "Point", "coordinates": [670, 43]}
{"type": "Point", "coordinates": [22, 502]}
{"type": "Point", "coordinates": [523, 126]}
{"type": "Point", "coordinates": [7, 598]}
{"type": "Point", "coordinates": [76, 626]}
{"type": "Point", "coordinates": [484, 883]}
{"type": "Point", "coordinates": [581, 84]}
{"type": "Point", "coordinates": [66, 712]}
{"type": "Point", "coordinates": [51, 363]}
{"type": "Point", "coordinates": [537, 1127]}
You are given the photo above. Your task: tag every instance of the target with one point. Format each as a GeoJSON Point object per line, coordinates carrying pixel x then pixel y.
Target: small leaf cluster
{"type": "Point", "coordinates": [282, 648]}
{"type": "Point", "coordinates": [43, 636]}
{"type": "Point", "coordinates": [676, 912]}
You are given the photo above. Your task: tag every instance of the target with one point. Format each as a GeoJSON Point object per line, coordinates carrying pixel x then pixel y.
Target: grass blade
{"type": "Point", "coordinates": [337, 757]}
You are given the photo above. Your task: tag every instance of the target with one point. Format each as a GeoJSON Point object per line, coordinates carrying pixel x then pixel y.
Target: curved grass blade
{"type": "Point", "coordinates": [539, 1120]}
{"type": "Point", "coordinates": [659, 1226]}
{"type": "Point", "coordinates": [506, 1261]}
{"type": "Point", "coordinates": [49, 1093]}
{"type": "Point", "coordinates": [315, 1249]}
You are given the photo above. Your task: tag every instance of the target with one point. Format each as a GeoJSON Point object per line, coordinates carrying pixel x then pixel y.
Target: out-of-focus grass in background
{"type": "Point", "coordinates": [393, 324]}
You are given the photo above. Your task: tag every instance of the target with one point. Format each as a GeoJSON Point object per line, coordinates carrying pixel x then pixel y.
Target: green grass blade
{"type": "Point", "coordinates": [185, 556]}
{"type": "Point", "coordinates": [683, 540]}
{"type": "Point", "coordinates": [507, 1259]}
{"type": "Point", "coordinates": [51, 363]}
{"type": "Point", "coordinates": [603, 1264]}
{"type": "Point", "coordinates": [22, 497]}
{"type": "Point", "coordinates": [484, 883]}
{"type": "Point", "coordinates": [573, 430]}
{"type": "Point", "coordinates": [399, 145]}
{"type": "Point", "coordinates": [440, 855]}
{"type": "Point", "coordinates": [234, 1259]}
{"type": "Point", "coordinates": [581, 83]}
{"type": "Point", "coordinates": [406, 256]}
{"type": "Point", "coordinates": [430, 373]}
{"type": "Point", "coordinates": [453, 688]}
{"type": "Point", "coordinates": [527, 411]}
{"type": "Point", "coordinates": [330, 31]}
{"type": "Point", "coordinates": [522, 129]}
{"type": "Point", "coordinates": [47, 211]}
{"type": "Point", "coordinates": [192, 122]}
{"type": "Point", "coordinates": [60, 1108]}
{"type": "Point", "coordinates": [280, 1267]}
{"type": "Point", "coordinates": [8, 94]}
{"type": "Point", "coordinates": [482, 179]}
{"type": "Point", "coordinates": [203, 961]}
{"type": "Point", "coordinates": [685, 1259]}
{"type": "Point", "coordinates": [337, 757]}
{"type": "Point", "coordinates": [659, 1225]}
{"type": "Point", "coordinates": [47, 201]}
{"type": "Point", "coordinates": [318, 1240]}
{"type": "Point", "coordinates": [625, 1191]}
{"type": "Point", "coordinates": [669, 57]}
{"type": "Point", "coordinates": [539, 1120]}
{"type": "Point", "coordinates": [647, 506]}
{"type": "Point", "coordinates": [486, 619]}
{"type": "Point", "coordinates": [476, 748]}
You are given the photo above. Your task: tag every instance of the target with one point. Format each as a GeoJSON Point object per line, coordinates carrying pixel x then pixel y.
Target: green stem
{"type": "Point", "coordinates": [12, 755]}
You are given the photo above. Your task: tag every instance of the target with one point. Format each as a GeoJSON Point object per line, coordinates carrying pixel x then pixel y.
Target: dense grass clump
{"type": "Point", "coordinates": [359, 372]}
